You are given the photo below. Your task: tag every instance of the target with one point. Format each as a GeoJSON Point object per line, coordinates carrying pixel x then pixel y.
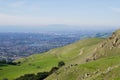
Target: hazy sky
{"type": "Point", "coordinates": [68, 12]}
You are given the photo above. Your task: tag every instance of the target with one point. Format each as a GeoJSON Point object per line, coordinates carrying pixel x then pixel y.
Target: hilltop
{"type": "Point", "coordinates": [88, 59]}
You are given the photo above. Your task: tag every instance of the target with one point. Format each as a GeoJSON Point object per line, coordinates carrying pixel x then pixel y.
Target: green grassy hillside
{"type": "Point", "coordinates": [102, 69]}
{"type": "Point", "coordinates": [103, 63]}
{"type": "Point", "coordinates": [89, 59]}
{"type": "Point", "coordinates": [44, 62]}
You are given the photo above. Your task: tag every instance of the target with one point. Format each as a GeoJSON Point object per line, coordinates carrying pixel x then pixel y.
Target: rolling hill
{"type": "Point", "coordinates": [88, 59]}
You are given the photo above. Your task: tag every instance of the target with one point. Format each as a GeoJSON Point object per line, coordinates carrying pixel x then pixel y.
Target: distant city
{"type": "Point", "coordinates": [17, 45]}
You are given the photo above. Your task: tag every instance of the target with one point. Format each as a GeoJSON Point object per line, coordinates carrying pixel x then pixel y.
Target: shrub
{"type": "Point", "coordinates": [12, 63]}
{"type": "Point", "coordinates": [3, 61]}
{"type": "Point", "coordinates": [61, 63]}
{"type": "Point", "coordinates": [41, 75]}
{"type": "Point", "coordinates": [5, 79]}
{"type": "Point", "coordinates": [53, 70]}
{"type": "Point", "coordinates": [18, 62]}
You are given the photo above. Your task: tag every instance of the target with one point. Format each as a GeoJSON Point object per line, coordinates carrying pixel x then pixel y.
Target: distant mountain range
{"type": "Point", "coordinates": [54, 28]}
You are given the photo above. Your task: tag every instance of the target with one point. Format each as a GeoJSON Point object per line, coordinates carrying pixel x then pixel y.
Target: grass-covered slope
{"type": "Point", "coordinates": [102, 69]}
{"type": "Point", "coordinates": [44, 62]}
{"type": "Point", "coordinates": [89, 59]}
{"type": "Point", "coordinates": [103, 63]}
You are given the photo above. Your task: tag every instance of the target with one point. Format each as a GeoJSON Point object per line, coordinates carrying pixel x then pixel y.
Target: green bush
{"type": "Point", "coordinates": [53, 70]}
{"type": "Point", "coordinates": [41, 75]}
{"type": "Point", "coordinates": [61, 63]}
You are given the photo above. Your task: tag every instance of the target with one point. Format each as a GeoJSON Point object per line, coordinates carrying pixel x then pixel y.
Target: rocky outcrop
{"type": "Point", "coordinates": [108, 44]}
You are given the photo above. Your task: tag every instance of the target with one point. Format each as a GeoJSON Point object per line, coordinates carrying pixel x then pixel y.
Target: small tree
{"type": "Point", "coordinates": [61, 63]}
